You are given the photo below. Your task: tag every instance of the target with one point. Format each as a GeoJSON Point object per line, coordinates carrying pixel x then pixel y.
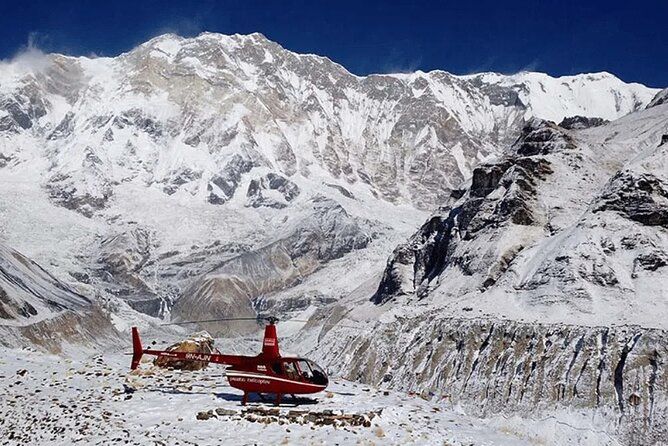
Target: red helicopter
{"type": "Point", "coordinates": [266, 373]}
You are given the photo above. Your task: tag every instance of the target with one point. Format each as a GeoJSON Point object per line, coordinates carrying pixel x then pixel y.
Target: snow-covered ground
{"type": "Point", "coordinates": [50, 400]}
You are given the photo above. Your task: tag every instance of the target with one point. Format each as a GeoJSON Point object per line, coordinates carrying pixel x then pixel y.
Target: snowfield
{"type": "Point", "coordinates": [50, 400]}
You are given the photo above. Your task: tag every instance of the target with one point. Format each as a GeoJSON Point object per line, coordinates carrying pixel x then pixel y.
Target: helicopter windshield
{"type": "Point", "coordinates": [300, 369]}
{"type": "Point", "coordinates": [318, 375]}
{"type": "Point", "coordinates": [305, 370]}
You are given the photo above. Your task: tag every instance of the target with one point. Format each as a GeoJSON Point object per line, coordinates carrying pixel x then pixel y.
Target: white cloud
{"type": "Point", "coordinates": [29, 59]}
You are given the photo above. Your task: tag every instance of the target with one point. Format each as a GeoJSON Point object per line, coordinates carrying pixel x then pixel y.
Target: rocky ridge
{"type": "Point", "coordinates": [540, 285]}
{"type": "Point", "coordinates": [487, 365]}
{"type": "Point", "coordinates": [38, 309]}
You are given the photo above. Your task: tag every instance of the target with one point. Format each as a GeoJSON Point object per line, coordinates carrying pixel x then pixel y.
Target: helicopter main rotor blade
{"type": "Point", "coordinates": [260, 318]}
{"type": "Point", "coordinates": [324, 325]}
{"type": "Point", "coordinates": [216, 320]}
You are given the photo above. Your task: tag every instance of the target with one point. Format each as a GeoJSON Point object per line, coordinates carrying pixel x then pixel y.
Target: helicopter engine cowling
{"type": "Point", "coordinates": [270, 342]}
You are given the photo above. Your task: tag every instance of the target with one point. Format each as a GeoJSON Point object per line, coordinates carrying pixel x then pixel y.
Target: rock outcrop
{"type": "Point", "coordinates": [581, 122]}
{"type": "Point", "coordinates": [639, 197]}
{"type": "Point", "coordinates": [271, 190]}
{"type": "Point", "coordinates": [501, 193]}
{"type": "Point", "coordinates": [660, 98]}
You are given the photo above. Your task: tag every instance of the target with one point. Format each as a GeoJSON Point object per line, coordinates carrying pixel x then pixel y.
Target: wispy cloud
{"type": "Point", "coordinates": [183, 26]}
{"type": "Point", "coordinates": [487, 65]}
{"type": "Point", "coordinates": [409, 66]}
{"type": "Point", "coordinates": [29, 58]}
{"type": "Point", "coordinates": [531, 66]}
{"type": "Point", "coordinates": [494, 63]}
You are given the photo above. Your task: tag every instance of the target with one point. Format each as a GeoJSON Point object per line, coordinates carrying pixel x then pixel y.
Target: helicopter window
{"type": "Point", "coordinates": [316, 368]}
{"type": "Point", "coordinates": [305, 370]}
{"type": "Point", "coordinates": [290, 370]}
{"type": "Point", "coordinates": [276, 368]}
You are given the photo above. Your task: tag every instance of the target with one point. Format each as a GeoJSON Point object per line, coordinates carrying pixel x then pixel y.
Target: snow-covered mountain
{"type": "Point", "coordinates": [569, 220]}
{"type": "Point", "coordinates": [189, 116]}
{"type": "Point", "coordinates": [225, 175]}
{"type": "Point", "coordinates": [168, 152]}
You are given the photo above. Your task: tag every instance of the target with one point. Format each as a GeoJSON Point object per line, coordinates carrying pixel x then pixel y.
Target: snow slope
{"type": "Point", "coordinates": [51, 401]}
{"type": "Point", "coordinates": [30, 294]}
{"type": "Point", "coordinates": [36, 309]}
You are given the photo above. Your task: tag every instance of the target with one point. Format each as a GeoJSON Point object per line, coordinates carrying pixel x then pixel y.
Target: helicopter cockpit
{"type": "Point", "coordinates": [300, 369]}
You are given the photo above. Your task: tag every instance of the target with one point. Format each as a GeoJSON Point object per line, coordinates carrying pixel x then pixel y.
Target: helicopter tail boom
{"type": "Point", "coordinates": [137, 349]}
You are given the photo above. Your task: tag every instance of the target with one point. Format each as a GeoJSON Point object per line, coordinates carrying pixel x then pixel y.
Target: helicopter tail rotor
{"type": "Point", "coordinates": [137, 349]}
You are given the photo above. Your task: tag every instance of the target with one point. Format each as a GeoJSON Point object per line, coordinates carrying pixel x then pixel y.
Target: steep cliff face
{"type": "Point", "coordinates": [487, 366]}
{"type": "Point", "coordinates": [502, 193]}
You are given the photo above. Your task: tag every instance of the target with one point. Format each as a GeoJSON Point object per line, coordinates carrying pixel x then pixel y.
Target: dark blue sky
{"type": "Point", "coordinates": [558, 37]}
